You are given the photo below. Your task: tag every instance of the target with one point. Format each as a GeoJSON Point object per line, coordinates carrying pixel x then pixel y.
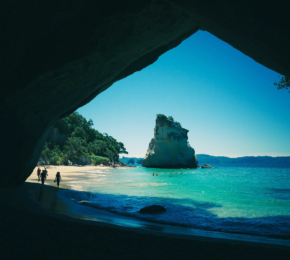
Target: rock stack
{"type": "Point", "coordinates": [169, 148]}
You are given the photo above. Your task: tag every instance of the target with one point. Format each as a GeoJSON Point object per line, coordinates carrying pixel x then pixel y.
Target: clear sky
{"type": "Point", "coordinates": [225, 99]}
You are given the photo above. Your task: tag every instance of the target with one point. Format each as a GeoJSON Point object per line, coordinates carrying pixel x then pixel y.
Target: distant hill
{"type": "Point", "coordinates": [131, 160]}
{"type": "Point", "coordinates": [227, 161]}
{"type": "Point", "coordinates": [259, 160]}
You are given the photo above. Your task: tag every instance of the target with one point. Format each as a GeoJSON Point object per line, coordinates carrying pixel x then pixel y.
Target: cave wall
{"type": "Point", "coordinates": [56, 56]}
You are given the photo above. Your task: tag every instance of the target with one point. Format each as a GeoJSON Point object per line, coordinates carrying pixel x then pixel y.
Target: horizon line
{"type": "Point", "coordinates": [229, 156]}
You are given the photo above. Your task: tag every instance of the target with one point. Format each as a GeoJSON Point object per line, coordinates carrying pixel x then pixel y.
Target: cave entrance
{"type": "Point", "coordinates": [204, 83]}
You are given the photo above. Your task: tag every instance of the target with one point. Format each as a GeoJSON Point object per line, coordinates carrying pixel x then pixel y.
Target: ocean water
{"type": "Point", "coordinates": [250, 200]}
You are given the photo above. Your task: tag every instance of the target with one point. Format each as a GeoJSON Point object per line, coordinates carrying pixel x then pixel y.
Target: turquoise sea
{"type": "Point", "coordinates": [250, 200]}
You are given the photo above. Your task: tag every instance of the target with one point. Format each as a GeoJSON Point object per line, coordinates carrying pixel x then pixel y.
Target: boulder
{"type": "Point", "coordinates": [206, 166]}
{"type": "Point", "coordinates": [153, 209]}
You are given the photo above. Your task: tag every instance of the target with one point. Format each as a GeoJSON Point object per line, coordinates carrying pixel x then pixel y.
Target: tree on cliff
{"type": "Point", "coordinates": [161, 116]}
{"type": "Point", "coordinates": [57, 156]}
{"type": "Point", "coordinates": [284, 83]}
{"type": "Point", "coordinates": [112, 156]}
{"type": "Point", "coordinates": [46, 153]}
{"type": "Point", "coordinates": [74, 148]}
{"type": "Point", "coordinates": [82, 139]}
{"type": "Point", "coordinates": [80, 133]}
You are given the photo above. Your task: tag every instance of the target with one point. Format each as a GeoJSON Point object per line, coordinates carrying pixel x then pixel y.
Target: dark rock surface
{"type": "Point", "coordinates": [206, 166]}
{"type": "Point", "coordinates": [43, 237]}
{"type": "Point", "coordinates": [57, 56]}
{"type": "Point", "coordinates": [153, 209]}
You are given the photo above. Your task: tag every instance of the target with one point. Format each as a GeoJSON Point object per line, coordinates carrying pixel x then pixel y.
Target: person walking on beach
{"type": "Point", "coordinates": [38, 174]}
{"type": "Point", "coordinates": [57, 178]}
{"type": "Point", "coordinates": [43, 176]}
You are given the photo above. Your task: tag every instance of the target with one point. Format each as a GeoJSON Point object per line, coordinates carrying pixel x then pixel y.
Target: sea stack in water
{"type": "Point", "coordinates": [169, 148]}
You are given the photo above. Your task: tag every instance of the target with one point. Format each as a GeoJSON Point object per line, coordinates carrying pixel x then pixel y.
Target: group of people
{"type": "Point", "coordinates": [43, 174]}
{"type": "Point", "coordinates": [156, 174]}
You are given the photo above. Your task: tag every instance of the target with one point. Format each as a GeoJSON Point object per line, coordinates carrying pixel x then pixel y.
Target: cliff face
{"type": "Point", "coordinates": [56, 56]}
{"type": "Point", "coordinates": [56, 137]}
{"type": "Point", "coordinates": [169, 148]}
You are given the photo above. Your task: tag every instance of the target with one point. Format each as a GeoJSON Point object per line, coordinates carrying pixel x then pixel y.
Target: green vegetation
{"type": "Point", "coordinates": [177, 124]}
{"type": "Point", "coordinates": [82, 141]}
{"type": "Point", "coordinates": [99, 160]}
{"type": "Point", "coordinates": [284, 83]}
{"type": "Point", "coordinates": [161, 116]}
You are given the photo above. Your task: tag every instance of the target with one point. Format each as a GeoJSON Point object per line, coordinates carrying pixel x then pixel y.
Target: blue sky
{"type": "Point", "coordinates": [225, 99]}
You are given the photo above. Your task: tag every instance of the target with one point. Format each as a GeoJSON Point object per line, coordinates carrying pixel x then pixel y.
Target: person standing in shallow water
{"type": "Point", "coordinates": [57, 178]}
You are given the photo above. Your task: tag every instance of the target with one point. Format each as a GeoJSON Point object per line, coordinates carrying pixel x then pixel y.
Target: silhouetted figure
{"type": "Point", "coordinates": [43, 176]}
{"type": "Point", "coordinates": [57, 178]}
{"type": "Point", "coordinates": [38, 173]}
{"type": "Point", "coordinates": [153, 174]}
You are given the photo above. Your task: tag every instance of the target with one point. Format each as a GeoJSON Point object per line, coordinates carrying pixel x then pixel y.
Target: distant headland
{"type": "Point", "coordinates": [170, 147]}
{"type": "Point", "coordinates": [227, 161]}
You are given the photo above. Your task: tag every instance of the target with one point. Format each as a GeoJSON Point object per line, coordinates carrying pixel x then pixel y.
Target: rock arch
{"type": "Point", "coordinates": [56, 56]}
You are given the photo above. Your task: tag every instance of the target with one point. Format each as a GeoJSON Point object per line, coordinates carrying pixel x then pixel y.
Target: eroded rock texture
{"type": "Point", "coordinates": [56, 56]}
{"type": "Point", "coordinates": [170, 147]}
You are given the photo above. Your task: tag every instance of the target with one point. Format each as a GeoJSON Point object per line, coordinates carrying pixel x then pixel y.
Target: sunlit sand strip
{"type": "Point", "coordinates": [68, 171]}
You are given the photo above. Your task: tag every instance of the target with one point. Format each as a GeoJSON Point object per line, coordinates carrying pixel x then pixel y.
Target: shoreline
{"type": "Point", "coordinates": [27, 214]}
{"type": "Point", "coordinates": [75, 172]}
{"type": "Point", "coordinates": [200, 232]}
{"type": "Point", "coordinates": [38, 236]}
{"type": "Point", "coordinates": [42, 200]}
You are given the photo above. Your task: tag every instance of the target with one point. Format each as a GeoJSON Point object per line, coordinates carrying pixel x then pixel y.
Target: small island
{"type": "Point", "coordinates": [170, 147]}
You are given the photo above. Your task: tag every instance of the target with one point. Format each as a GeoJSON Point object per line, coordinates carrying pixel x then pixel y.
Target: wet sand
{"type": "Point", "coordinates": [30, 229]}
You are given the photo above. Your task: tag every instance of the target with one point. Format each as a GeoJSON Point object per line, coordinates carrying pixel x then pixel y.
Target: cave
{"type": "Point", "coordinates": [57, 56]}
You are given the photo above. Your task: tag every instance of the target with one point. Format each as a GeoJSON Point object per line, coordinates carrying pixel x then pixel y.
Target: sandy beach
{"type": "Point", "coordinates": [37, 223]}
{"type": "Point", "coordinates": [67, 172]}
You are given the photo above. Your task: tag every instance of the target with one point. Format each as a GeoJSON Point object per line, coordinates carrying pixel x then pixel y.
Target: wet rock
{"type": "Point", "coordinates": [153, 209]}
{"type": "Point", "coordinates": [206, 166]}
